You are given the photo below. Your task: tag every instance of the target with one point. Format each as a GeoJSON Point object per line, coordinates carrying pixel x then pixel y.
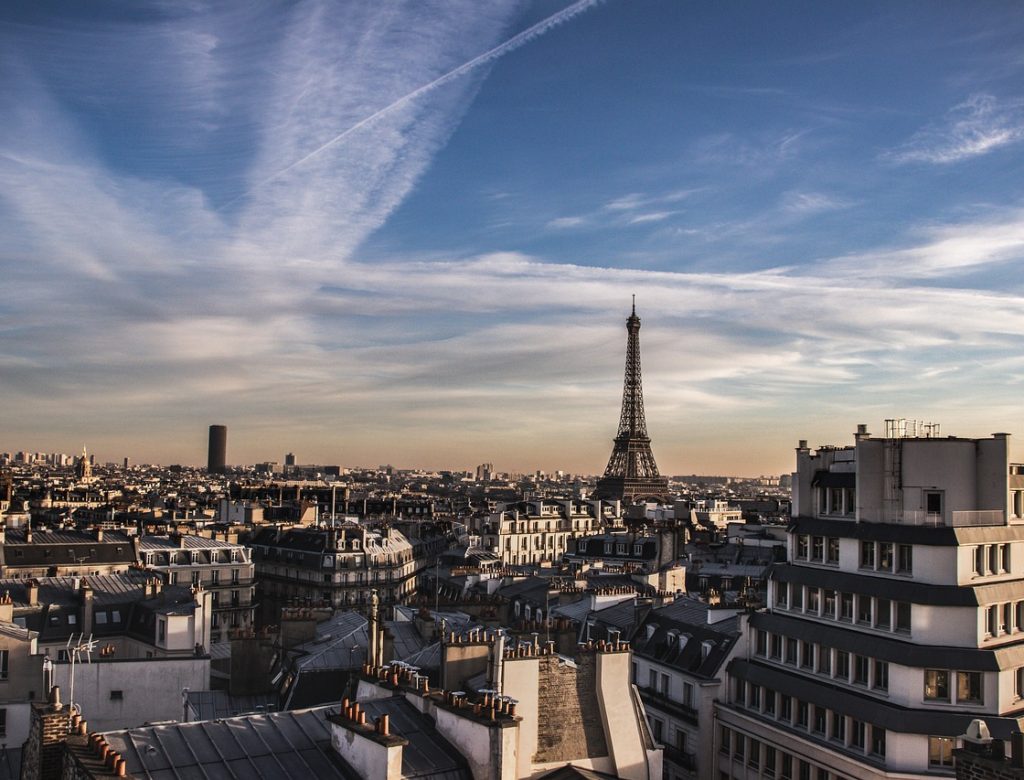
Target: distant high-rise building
{"type": "Point", "coordinates": [216, 462]}
{"type": "Point", "coordinates": [289, 459]}
{"type": "Point", "coordinates": [632, 474]}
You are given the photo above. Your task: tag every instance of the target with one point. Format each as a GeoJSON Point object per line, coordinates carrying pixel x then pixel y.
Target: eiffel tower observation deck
{"type": "Point", "coordinates": [632, 475]}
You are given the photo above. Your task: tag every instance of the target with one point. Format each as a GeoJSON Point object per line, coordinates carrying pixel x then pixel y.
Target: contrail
{"type": "Point", "coordinates": [513, 43]}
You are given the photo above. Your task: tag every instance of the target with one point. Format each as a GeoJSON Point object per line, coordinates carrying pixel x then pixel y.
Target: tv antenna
{"type": "Point", "coordinates": [75, 652]}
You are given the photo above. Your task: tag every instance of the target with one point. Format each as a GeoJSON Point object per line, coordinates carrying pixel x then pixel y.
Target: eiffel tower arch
{"type": "Point", "coordinates": [631, 474]}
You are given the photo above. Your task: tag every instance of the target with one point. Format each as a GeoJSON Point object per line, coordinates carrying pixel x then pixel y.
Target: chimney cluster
{"type": "Point", "coordinates": [357, 715]}
{"type": "Point", "coordinates": [104, 752]}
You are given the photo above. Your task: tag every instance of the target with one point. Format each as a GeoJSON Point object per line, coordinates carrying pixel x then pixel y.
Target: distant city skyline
{"type": "Point", "coordinates": [393, 232]}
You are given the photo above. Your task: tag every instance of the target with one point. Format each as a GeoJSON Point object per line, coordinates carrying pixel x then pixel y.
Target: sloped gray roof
{"type": "Point", "coordinates": [292, 745]}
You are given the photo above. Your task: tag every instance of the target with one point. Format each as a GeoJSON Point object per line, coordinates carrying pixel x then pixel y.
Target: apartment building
{"type": "Point", "coordinates": [223, 568]}
{"type": "Point", "coordinates": [536, 532]}
{"type": "Point", "coordinates": [26, 553]}
{"type": "Point", "coordinates": [898, 618]}
{"type": "Point", "coordinates": [340, 566]}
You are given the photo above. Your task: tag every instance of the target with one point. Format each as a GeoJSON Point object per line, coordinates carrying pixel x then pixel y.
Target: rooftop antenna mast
{"type": "Point", "coordinates": [82, 647]}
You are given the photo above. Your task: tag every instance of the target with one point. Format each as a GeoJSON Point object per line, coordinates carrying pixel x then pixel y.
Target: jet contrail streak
{"type": "Point", "coordinates": [500, 50]}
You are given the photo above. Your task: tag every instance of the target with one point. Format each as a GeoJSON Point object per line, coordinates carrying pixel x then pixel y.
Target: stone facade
{"type": "Point", "coordinates": [569, 719]}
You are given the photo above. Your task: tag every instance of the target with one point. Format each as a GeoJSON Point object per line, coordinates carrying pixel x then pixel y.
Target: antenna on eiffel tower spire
{"type": "Point", "coordinates": [634, 304]}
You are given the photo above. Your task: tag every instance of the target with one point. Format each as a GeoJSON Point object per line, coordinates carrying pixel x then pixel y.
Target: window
{"type": "Point", "coordinates": [753, 753]}
{"type": "Point", "coordinates": [813, 600]}
{"type": "Point", "coordinates": [867, 555]}
{"type": "Point", "coordinates": [936, 684]}
{"type": "Point", "coordinates": [820, 719]}
{"type": "Point", "coordinates": [933, 502]}
{"type": "Point", "coordinates": [652, 679]}
{"type": "Point", "coordinates": [688, 694]}
{"type": "Point", "coordinates": [833, 550]}
{"type": "Point", "coordinates": [861, 665]}
{"type": "Point", "coordinates": [825, 660]}
{"type": "Point", "coordinates": [161, 630]}
{"type": "Point", "coordinates": [802, 546]}
{"type": "Point", "coordinates": [991, 620]}
{"type": "Point", "coordinates": [786, 772]}
{"type": "Point", "coordinates": [4, 660]}
{"type": "Point", "coordinates": [781, 594]}
{"type": "Point", "coordinates": [883, 614]}
{"type": "Point", "coordinates": [215, 576]}
{"type": "Point", "coordinates": [864, 609]}
{"type": "Point", "coordinates": [769, 761]}
{"type": "Point", "coordinates": [801, 713]}
{"type": "Point", "coordinates": [940, 751]}
{"type": "Point", "coordinates": [769, 701]}
{"type": "Point", "coordinates": [838, 727]}
{"type": "Point", "coordinates": [1006, 618]}
{"type": "Point", "coordinates": [664, 684]}
{"type": "Point", "coordinates": [755, 697]}
{"type": "Point", "coordinates": [791, 650]}
{"type": "Point", "coordinates": [818, 548]}
{"type": "Point", "coordinates": [776, 646]}
{"type": "Point", "coordinates": [829, 601]}
{"type": "Point", "coordinates": [3, 722]}
{"type": "Point", "coordinates": [798, 596]}
{"type": "Point", "coordinates": [806, 655]}
{"type": "Point", "coordinates": [968, 687]}
{"type": "Point", "coordinates": [881, 679]}
{"type": "Point", "coordinates": [877, 741]}
{"type": "Point", "coordinates": [786, 707]}
{"type": "Point", "coordinates": [857, 734]}
{"type": "Point", "coordinates": [761, 640]}
{"type": "Point", "coordinates": [979, 560]}
{"type": "Point", "coordinates": [905, 559]}
{"type": "Point", "coordinates": [993, 559]}
{"type": "Point", "coordinates": [739, 748]}
{"type": "Point", "coordinates": [842, 664]}
{"type": "Point", "coordinates": [903, 616]}
{"type": "Point", "coordinates": [724, 740]}
{"type": "Point", "coordinates": [656, 728]}
{"type": "Point", "coordinates": [885, 559]}
{"type": "Point", "coordinates": [117, 695]}
{"type": "Point", "coordinates": [846, 607]}
{"type": "Point", "coordinates": [234, 576]}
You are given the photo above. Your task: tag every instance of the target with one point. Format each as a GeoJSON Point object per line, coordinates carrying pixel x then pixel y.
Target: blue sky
{"type": "Point", "coordinates": [408, 232]}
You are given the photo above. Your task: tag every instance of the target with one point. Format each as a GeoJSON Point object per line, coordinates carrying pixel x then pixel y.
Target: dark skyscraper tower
{"type": "Point", "coordinates": [216, 462]}
{"type": "Point", "coordinates": [632, 473]}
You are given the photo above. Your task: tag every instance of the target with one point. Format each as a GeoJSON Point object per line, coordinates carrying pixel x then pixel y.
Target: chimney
{"type": "Point", "coordinates": [87, 608]}
{"type": "Point", "coordinates": [99, 534]}
{"type": "Point", "coordinates": [32, 592]}
{"type": "Point", "coordinates": [3, 534]}
{"type": "Point", "coordinates": [862, 432]}
{"type": "Point", "coordinates": [43, 756]}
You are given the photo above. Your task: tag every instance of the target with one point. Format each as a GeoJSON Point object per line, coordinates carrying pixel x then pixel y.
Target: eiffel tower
{"type": "Point", "coordinates": [632, 474]}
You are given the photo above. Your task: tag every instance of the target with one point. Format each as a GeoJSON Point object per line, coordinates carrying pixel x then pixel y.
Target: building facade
{"type": "Point", "coordinates": [537, 532]}
{"type": "Point", "coordinates": [898, 619]}
{"type": "Point", "coordinates": [224, 569]}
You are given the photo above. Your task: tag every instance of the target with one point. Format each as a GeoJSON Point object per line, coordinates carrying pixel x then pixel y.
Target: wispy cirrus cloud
{"type": "Point", "coordinates": [978, 126]}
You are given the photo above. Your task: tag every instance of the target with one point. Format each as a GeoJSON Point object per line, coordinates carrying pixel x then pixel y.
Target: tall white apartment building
{"type": "Point", "coordinates": [898, 618]}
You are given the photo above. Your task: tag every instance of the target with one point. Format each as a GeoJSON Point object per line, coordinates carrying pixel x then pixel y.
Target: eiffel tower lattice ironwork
{"type": "Point", "coordinates": [631, 473]}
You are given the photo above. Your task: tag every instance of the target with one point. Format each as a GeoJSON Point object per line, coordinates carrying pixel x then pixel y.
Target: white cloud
{"type": "Point", "coordinates": [979, 125]}
{"type": "Point", "coordinates": [563, 223]}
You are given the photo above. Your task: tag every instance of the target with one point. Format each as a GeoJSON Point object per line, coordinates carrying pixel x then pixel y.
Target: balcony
{"type": "Point", "coordinates": [665, 703]}
{"type": "Point", "coordinates": [957, 519]}
{"type": "Point", "coordinates": [681, 758]}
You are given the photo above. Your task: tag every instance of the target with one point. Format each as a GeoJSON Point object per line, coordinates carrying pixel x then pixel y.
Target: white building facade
{"type": "Point", "coordinates": [898, 618]}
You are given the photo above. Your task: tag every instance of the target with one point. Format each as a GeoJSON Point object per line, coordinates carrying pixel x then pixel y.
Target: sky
{"type": "Point", "coordinates": [409, 232]}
